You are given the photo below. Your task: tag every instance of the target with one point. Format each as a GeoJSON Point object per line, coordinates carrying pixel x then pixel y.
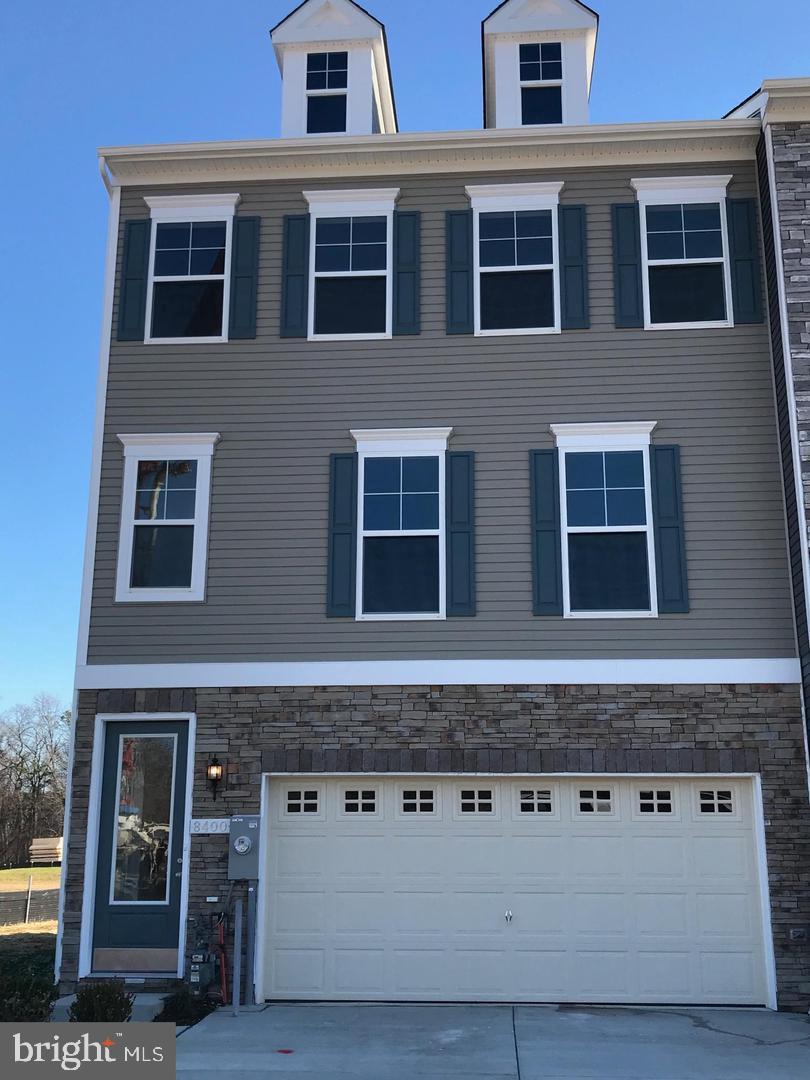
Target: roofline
{"type": "Point", "coordinates": [340, 157]}
{"type": "Point", "coordinates": [385, 45]}
{"type": "Point", "coordinates": [484, 47]}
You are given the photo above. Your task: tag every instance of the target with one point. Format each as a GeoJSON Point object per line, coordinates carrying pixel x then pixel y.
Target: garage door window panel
{"type": "Point", "coordinates": [596, 802]}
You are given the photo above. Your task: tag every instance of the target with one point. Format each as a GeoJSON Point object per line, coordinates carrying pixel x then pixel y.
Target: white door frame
{"type": "Point", "coordinates": [759, 837]}
{"type": "Point", "coordinates": [92, 838]}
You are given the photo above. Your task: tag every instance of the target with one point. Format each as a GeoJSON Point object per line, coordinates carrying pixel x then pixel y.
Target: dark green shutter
{"type": "Point", "coordinates": [546, 538]}
{"type": "Point", "coordinates": [574, 267]}
{"type": "Point", "coordinates": [459, 255]}
{"type": "Point", "coordinates": [746, 273]}
{"type": "Point", "coordinates": [134, 277]}
{"type": "Point", "coordinates": [670, 549]}
{"type": "Point", "coordinates": [628, 297]}
{"type": "Point", "coordinates": [244, 277]}
{"type": "Point", "coordinates": [342, 556]}
{"type": "Point", "coordinates": [460, 534]}
{"type": "Point", "coordinates": [407, 247]}
{"type": "Point", "coordinates": [295, 277]}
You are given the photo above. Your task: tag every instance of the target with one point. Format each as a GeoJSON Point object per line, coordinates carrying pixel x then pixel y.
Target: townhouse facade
{"type": "Point", "coordinates": [439, 510]}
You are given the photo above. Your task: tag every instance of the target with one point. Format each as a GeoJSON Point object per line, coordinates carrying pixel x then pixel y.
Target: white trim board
{"type": "Point", "coordinates": [484, 672]}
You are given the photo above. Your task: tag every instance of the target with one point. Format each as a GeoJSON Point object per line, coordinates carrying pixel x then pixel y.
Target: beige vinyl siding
{"type": "Point", "coordinates": [283, 406]}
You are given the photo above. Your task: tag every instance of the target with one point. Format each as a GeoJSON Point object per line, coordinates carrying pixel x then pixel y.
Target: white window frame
{"type": "Point", "coordinates": [187, 447]}
{"type": "Point", "coordinates": [606, 438]}
{"type": "Point", "coordinates": [662, 191]}
{"type": "Point", "coordinates": [326, 92]}
{"type": "Point", "coordinates": [507, 198]}
{"type": "Point", "coordinates": [178, 209]}
{"type": "Point", "coordinates": [402, 442]}
{"type": "Point", "coordinates": [372, 202]}
{"type": "Point", "coordinates": [529, 83]}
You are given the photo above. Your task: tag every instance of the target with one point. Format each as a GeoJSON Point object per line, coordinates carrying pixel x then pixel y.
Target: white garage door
{"type": "Point", "coordinates": [502, 889]}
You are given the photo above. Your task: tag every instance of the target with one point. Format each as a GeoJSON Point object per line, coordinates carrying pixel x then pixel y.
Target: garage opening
{"type": "Point", "coordinates": [528, 889]}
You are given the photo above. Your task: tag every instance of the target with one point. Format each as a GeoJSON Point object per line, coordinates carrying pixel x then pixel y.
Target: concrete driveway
{"type": "Point", "coordinates": [351, 1042]}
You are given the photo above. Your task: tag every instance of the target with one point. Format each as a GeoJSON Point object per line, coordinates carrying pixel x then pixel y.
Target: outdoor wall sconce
{"type": "Point", "coordinates": [214, 775]}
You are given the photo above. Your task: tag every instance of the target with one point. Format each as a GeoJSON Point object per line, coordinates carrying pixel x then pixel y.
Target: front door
{"type": "Point", "coordinates": [139, 871]}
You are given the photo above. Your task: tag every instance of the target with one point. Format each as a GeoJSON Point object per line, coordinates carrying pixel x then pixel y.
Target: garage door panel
{"type": "Point", "coordinates": [299, 912]}
{"type": "Point", "coordinates": [728, 975]}
{"type": "Point", "coordinates": [596, 856]}
{"type": "Point", "coordinates": [599, 914]}
{"type": "Point", "coordinates": [621, 904]}
{"type": "Point", "coordinates": [482, 972]}
{"type": "Point", "coordinates": [724, 914]}
{"type": "Point", "coordinates": [541, 971]}
{"type": "Point", "coordinates": [721, 857]}
{"type": "Point", "coordinates": [420, 856]}
{"type": "Point", "coordinates": [360, 911]}
{"type": "Point", "coordinates": [667, 976]}
{"type": "Point", "coordinates": [657, 856]}
{"type": "Point", "coordinates": [540, 913]}
{"type": "Point", "coordinates": [360, 971]}
{"type": "Point", "coordinates": [298, 856]}
{"type": "Point", "coordinates": [359, 854]}
{"type": "Point", "coordinates": [540, 857]}
{"type": "Point", "coordinates": [601, 974]}
{"type": "Point", "coordinates": [419, 912]}
{"type": "Point", "coordinates": [299, 971]}
{"type": "Point", "coordinates": [419, 971]}
{"type": "Point", "coordinates": [662, 914]}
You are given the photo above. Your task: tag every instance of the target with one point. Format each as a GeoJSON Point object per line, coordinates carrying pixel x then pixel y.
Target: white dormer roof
{"type": "Point", "coordinates": [530, 20]}
{"type": "Point", "coordinates": [336, 25]}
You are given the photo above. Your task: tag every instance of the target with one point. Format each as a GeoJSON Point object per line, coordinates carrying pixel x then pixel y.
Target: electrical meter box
{"type": "Point", "coordinates": [243, 848]}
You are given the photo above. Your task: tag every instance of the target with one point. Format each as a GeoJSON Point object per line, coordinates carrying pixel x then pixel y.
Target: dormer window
{"type": "Point", "coordinates": [541, 73]}
{"type": "Point", "coordinates": [327, 72]}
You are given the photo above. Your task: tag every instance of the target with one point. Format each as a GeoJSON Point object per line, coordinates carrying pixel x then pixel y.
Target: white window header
{"type": "Point", "coordinates": [362, 201]}
{"type": "Point", "coordinates": [681, 189]}
{"type": "Point", "coordinates": [630, 435]}
{"type": "Point", "coordinates": [192, 207]}
{"type": "Point", "coordinates": [197, 444]}
{"type": "Point", "coordinates": [495, 197]}
{"type": "Point", "coordinates": [402, 440]}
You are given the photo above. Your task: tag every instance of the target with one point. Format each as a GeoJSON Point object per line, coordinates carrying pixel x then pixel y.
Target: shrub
{"type": "Point", "coordinates": [101, 1002]}
{"type": "Point", "coordinates": [182, 1007]}
{"type": "Point", "coordinates": [26, 999]}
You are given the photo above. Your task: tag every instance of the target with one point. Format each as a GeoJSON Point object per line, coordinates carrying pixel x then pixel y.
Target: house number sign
{"type": "Point", "coordinates": [210, 826]}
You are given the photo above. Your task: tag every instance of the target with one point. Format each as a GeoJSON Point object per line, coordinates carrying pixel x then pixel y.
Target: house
{"type": "Point", "coordinates": [439, 507]}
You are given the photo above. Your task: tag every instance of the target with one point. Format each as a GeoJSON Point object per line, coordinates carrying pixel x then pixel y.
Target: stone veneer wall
{"type": "Point", "coordinates": [499, 729]}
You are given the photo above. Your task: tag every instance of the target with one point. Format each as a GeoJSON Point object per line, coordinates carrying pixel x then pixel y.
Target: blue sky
{"type": "Point", "coordinates": [77, 76]}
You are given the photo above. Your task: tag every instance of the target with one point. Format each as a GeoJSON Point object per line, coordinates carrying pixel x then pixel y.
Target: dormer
{"type": "Point", "coordinates": [335, 71]}
{"type": "Point", "coordinates": [538, 63]}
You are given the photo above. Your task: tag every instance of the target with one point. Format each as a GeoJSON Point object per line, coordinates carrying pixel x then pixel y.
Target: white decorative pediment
{"type": "Point", "coordinates": [522, 16]}
{"type": "Point", "coordinates": [326, 20]}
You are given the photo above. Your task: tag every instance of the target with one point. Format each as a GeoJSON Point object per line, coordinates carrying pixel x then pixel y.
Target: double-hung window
{"type": "Point", "coordinates": [401, 517]}
{"type": "Point", "coordinates": [541, 75]}
{"type": "Point", "coordinates": [188, 291]}
{"type": "Point", "coordinates": [516, 239]}
{"type": "Point", "coordinates": [327, 92]}
{"type": "Point", "coordinates": [608, 548]}
{"type": "Point", "coordinates": [351, 284]}
{"type": "Point", "coordinates": [164, 517]}
{"type": "Point", "coordinates": [685, 252]}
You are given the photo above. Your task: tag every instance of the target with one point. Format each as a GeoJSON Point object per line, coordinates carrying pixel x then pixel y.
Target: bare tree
{"type": "Point", "coordinates": [33, 775]}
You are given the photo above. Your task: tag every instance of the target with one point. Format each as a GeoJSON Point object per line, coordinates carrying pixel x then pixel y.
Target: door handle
{"type": "Point", "coordinates": [508, 916]}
